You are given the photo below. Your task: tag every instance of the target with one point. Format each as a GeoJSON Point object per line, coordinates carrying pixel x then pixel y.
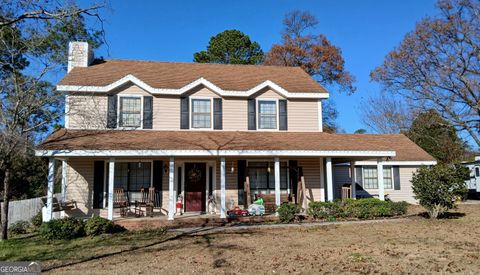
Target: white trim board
{"type": "Point", "coordinates": [188, 87]}
{"type": "Point", "coordinates": [212, 153]}
{"type": "Point", "coordinates": [388, 163]}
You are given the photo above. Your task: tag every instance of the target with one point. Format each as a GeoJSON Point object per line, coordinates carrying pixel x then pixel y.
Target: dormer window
{"type": "Point", "coordinates": [201, 113]}
{"type": "Point", "coordinates": [130, 111]}
{"type": "Point", "coordinates": [267, 114]}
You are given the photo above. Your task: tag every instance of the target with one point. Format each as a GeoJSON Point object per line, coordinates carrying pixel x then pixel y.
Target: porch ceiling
{"type": "Point", "coordinates": [228, 143]}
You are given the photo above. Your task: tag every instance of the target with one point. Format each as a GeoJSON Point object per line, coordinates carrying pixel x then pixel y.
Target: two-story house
{"type": "Point", "coordinates": [192, 131]}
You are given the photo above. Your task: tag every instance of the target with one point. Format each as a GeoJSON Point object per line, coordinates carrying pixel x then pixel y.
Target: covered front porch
{"type": "Point", "coordinates": [205, 185]}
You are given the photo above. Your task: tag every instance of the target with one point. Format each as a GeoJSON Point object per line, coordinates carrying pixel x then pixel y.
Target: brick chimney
{"type": "Point", "coordinates": [80, 54]}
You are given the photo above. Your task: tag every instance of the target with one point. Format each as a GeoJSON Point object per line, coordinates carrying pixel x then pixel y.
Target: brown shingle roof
{"type": "Point", "coordinates": [63, 139]}
{"type": "Point", "coordinates": [171, 75]}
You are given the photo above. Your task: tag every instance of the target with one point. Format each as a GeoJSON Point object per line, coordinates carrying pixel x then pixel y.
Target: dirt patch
{"type": "Point", "coordinates": [416, 245]}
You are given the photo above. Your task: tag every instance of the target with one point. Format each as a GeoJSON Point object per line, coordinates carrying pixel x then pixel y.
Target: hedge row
{"type": "Point", "coordinates": [361, 209]}
{"type": "Point", "coordinates": [350, 208]}
{"type": "Point", "coordinates": [70, 228]}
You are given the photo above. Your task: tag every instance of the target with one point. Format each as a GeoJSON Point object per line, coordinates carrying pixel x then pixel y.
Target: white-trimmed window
{"type": "Point", "coordinates": [267, 114]}
{"type": "Point", "coordinates": [201, 113]}
{"type": "Point", "coordinates": [370, 180]}
{"type": "Point", "coordinates": [130, 111]}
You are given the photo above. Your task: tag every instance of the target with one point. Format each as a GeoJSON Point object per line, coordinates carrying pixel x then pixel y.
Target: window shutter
{"type": "Point", "coordinates": [241, 167]}
{"type": "Point", "coordinates": [358, 176]}
{"type": "Point", "coordinates": [217, 114]}
{"type": "Point", "coordinates": [282, 104]}
{"type": "Point", "coordinates": [184, 113]}
{"type": "Point", "coordinates": [112, 111]}
{"type": "Point", "coordinates": [396, 178]}
{"type": "Point", "coordinates": [252, 115]}
{"type": "Point", "coordinates": [147, 112]}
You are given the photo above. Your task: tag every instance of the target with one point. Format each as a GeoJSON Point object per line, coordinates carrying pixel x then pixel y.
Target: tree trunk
{"type": "Point", "coordinates": [6, 200]}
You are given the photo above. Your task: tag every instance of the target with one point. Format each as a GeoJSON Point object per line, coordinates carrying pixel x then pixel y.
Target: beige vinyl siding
{"type": "Point", "coordinates": [302, 115]}
{"type": "Point", "coordinates": [235, 114]}
{"type": "Point", "coordinates": [342, 175]}
{"type": "Point", "coordinates": [131, 90]}
{"type": "Point", "coordinates": [166, 113]}
{"type": "Point", "coordinates": [87, 111]}
{"type": "Point", "coordinates": [311, 173]}
{"type": "Point", "coordinates": [202, 91]}
{"type": "Point", "coordinates": [268, 93]}
{"type": "Point", "coordinates": [80, 185]}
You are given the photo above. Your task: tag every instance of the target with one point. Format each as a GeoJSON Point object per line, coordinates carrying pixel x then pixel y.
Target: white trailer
{"type": "Point", "coordinates": [473, 183]}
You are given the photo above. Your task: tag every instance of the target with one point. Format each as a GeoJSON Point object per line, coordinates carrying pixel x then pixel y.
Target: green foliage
{"type": "Point", "coordinates": [438, 187]}
{"type": "Point", "coordinates": [63, 229]}
{"type": "Point", "coordinates": [98, 225]}
{"type": "Point", "coordinates": [37, 220]}
{"type": "Point", "coordinates": [18, 228]}
{"type": "Point", "coordinates": [230, 47]}
{"type": "Point", "coordinates": [437, 137]}
{"type": "Point", "coordinates": [361, 209]}
{"type": "Point", "coordinates": [324, 210]}
{"type": "Point", "coordinates": [287, 211]}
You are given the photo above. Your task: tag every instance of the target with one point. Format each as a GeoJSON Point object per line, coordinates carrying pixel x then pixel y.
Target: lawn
{"type": "Point", "coordinates": [415, 245]}
{"type": "Point", "coordinates": [52, 253]}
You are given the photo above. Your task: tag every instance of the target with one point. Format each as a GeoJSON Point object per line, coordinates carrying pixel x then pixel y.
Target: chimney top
{"type": "Point", "coordinates": [80, 54]}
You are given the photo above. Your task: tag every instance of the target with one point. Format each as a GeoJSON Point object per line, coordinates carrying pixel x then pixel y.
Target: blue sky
{"type": "Point", "coordinates": [173, 30]}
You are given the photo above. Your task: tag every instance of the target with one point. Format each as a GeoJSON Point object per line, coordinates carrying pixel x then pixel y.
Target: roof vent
{"type": "Point", "coordinates": [80, 54]}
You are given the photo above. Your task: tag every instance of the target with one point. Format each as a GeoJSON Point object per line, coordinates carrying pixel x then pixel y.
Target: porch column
{"type": "Point", "coordinates": [322, 180]}
{"type": "Point", "coordinates": [64, 180]}
{"type": "Point", "coordinates": [277, 182]}
{"type": "Point", "coordinates": [111, 183]}
{"type": "Point", "coordinates": [329, 179]}
{"type": "Point", "coordinates": [354, 183]}
{"type": "Point", "coordinates": [222, 188]}
{"type": "Point", "coordinates": [171, 189]}
{"type": "Point", "coordinates": [381, 186]}
{"type": "Point", "coordinates": [51, 179]}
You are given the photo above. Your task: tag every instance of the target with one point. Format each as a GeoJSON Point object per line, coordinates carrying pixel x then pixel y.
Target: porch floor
{"type": "Point", "coordinates": [189, 220]}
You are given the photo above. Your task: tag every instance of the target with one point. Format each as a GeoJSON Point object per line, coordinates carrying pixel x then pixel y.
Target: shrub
{"type": "Point", "coordinates": [62, 229]}
{"type": "Point", "coordinates": [437, 187]}
{"type": "Point", "coordinates": [399, 208]}
{"type": "Point", "coordinates": [18, 228]}
{"type": "Point", "coordinates": [37, 220]}
{"type": "Point", "coordinates": [98, 225]}
{"type": "Point", "coordinates": [361, 209]}
{"type": "Point", "coordinates": [324, 210]}
{"type": "Point", "coordinates": [287, 211]}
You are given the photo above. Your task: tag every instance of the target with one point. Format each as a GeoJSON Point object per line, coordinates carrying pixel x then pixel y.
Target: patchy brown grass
{"type": "Point", "coordinates": [416, 245]}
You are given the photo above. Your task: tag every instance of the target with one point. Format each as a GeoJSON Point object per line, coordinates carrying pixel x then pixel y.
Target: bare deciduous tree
{"type": "Point", "coordinates": [385, 114]}
{"type": "Point", "coordinates": [437, 66]}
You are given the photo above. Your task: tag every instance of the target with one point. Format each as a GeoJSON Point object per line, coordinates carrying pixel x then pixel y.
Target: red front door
{"type": "Point", "coordinates": [195, 187]}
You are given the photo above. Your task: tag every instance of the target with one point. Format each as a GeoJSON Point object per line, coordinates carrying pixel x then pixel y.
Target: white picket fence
{"type": "Point", "coordinates": [24, 210]}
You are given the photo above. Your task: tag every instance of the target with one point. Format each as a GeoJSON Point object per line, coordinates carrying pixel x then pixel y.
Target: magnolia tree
{"type": "Point", "coordinates": [438, 187]}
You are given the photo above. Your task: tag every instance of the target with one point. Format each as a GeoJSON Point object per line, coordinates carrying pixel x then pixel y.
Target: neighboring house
{"type": "Point", "coordinates": [202, 129]}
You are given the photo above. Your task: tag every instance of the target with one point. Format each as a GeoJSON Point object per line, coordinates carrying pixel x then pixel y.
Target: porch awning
{"type": "Point", "coordinates": [117, 143]}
